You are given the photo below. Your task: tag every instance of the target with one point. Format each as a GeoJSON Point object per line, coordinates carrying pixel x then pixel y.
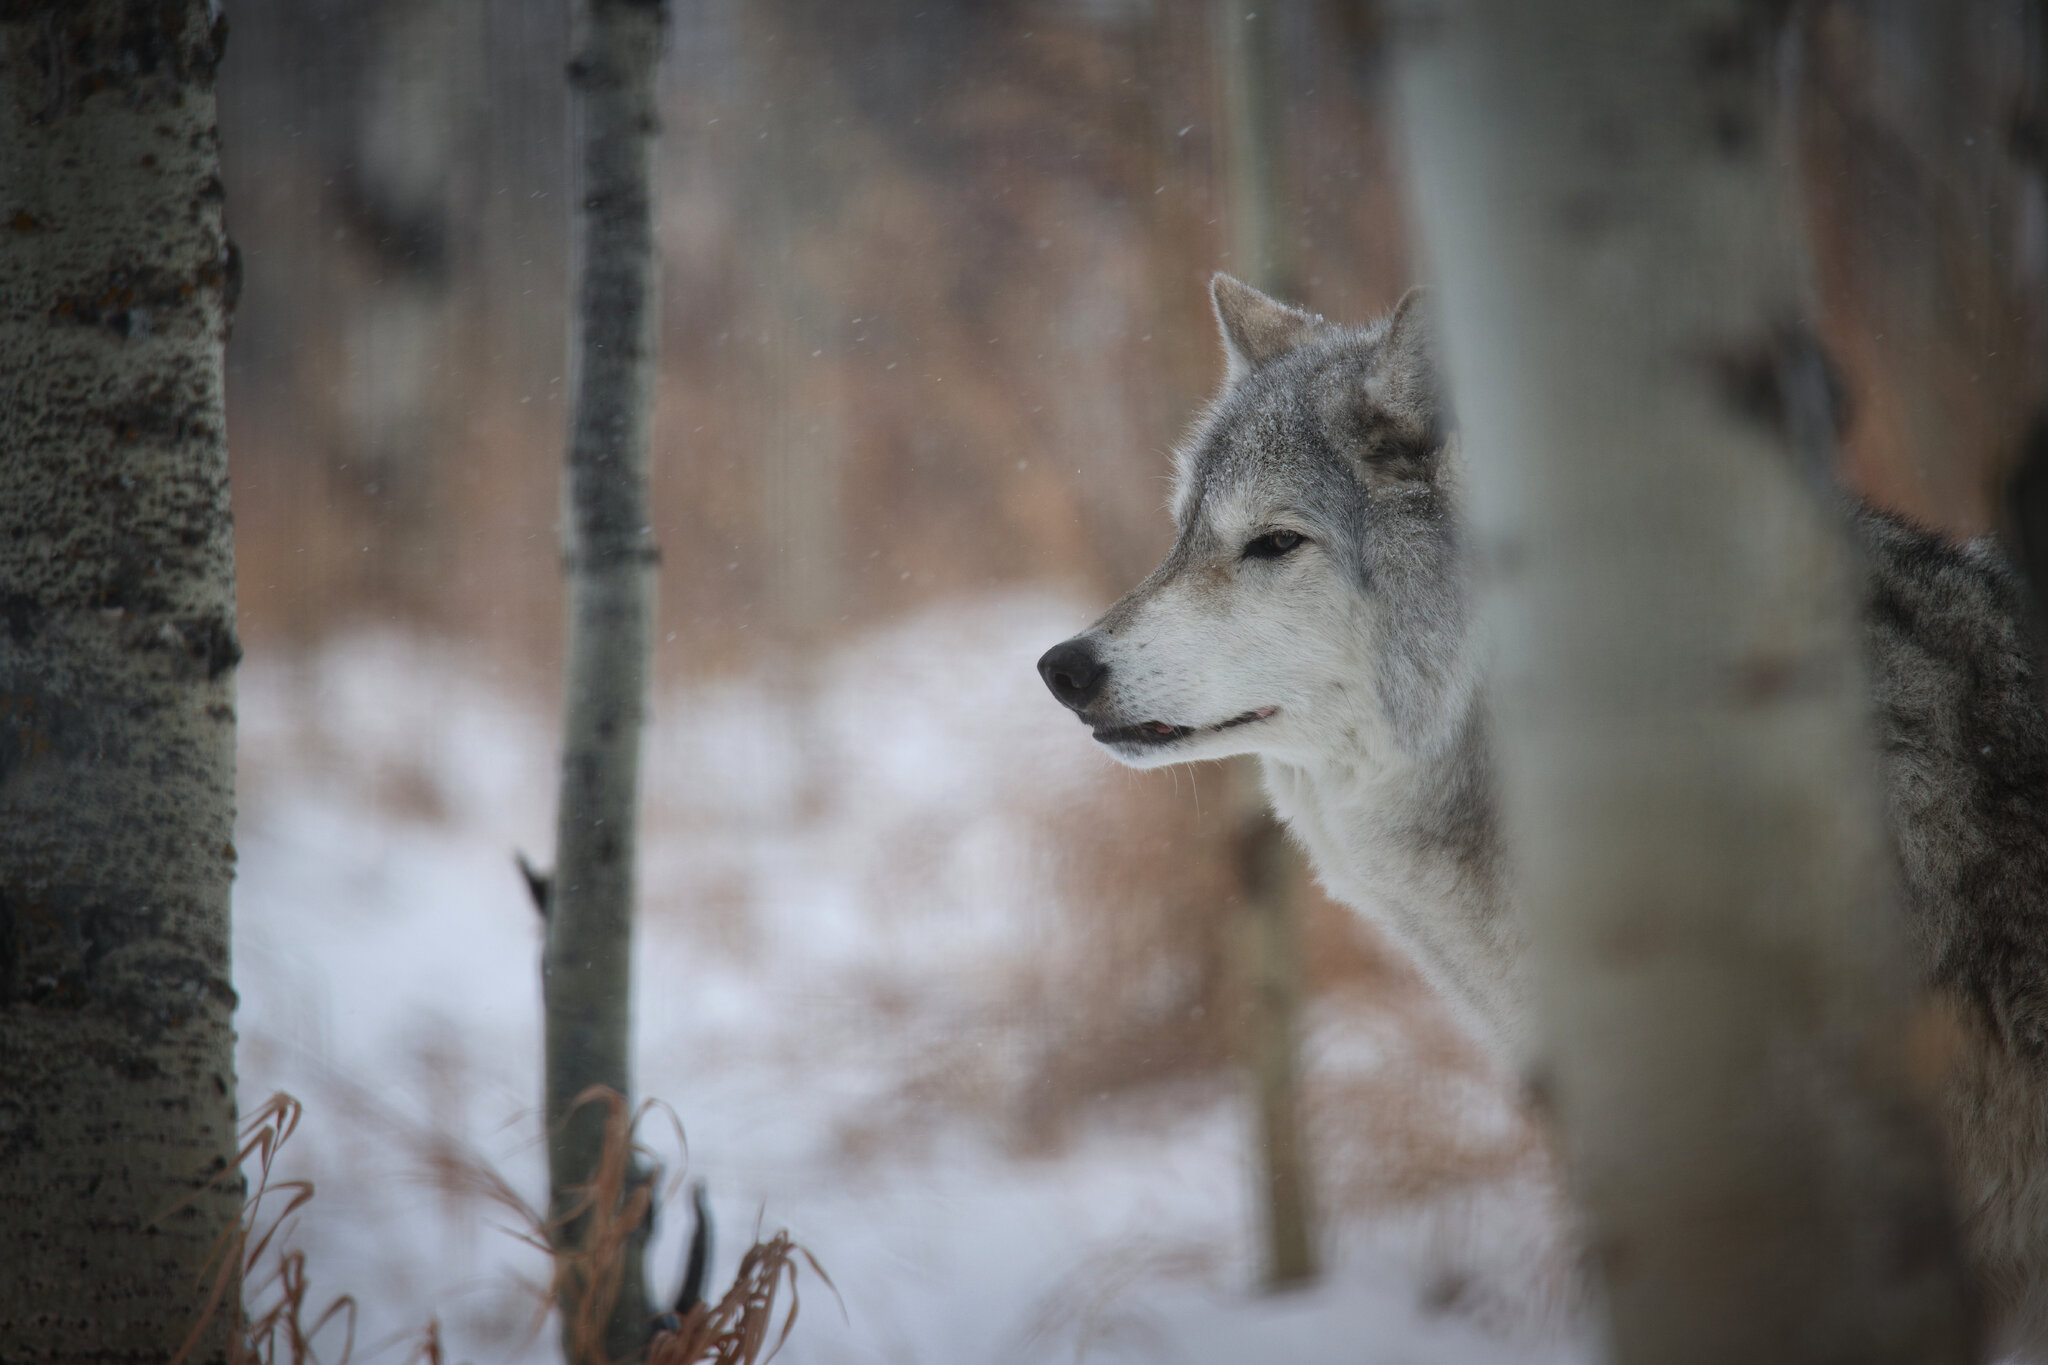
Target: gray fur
{"type": "Point", "coordinates": [1347, 664]}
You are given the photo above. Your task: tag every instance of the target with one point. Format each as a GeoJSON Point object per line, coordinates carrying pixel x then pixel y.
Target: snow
{"type": "Point", "coordinates": [846, 869]}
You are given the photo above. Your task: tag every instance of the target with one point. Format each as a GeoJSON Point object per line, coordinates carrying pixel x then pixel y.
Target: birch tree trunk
{"type": "Point", "coordinates": [1268, 939]}
{"type": "Point", "coordinates": [117, 700]}
{"type": "Point", "coordinates": [609, 556]}
{"type": "Point", "coordinates": [1688, 784]}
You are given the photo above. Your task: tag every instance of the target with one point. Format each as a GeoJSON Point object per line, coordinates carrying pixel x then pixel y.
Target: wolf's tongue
{"type": "Point", "coordinates": [1160, 727]}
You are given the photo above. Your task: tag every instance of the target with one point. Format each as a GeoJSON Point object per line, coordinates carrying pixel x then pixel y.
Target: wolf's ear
{"type": "Point", "coordinates": [1393, 417]}
{"type": "Point", "coordinates": [1257, 330]}
{"type": "Point", "coordinates": [1404, 370]}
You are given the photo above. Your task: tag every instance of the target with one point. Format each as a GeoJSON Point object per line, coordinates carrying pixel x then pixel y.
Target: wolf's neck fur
{"type": "Point", "coordinates": [1413, 844]}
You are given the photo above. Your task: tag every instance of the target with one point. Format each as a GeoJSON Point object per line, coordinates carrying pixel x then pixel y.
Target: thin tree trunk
{"type": "Point", "coordinates": [401, 184]}
{"type": "Point", "coordinates": [1268, 938]}
{"type": "Point", "coordinates": [1269, 955]}
{"type": "Point", "coordinates": [117, 700]}
{"type": "Point", "coordinates": [609, 557]}
{"type": "Point", "coordinates": [1688, 782]}
{"type": "Point", "coordinates": [1263, 231]}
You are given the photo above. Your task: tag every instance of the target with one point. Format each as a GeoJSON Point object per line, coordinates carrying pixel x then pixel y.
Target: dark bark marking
{"type": "Point", "coordinates": [128, 301]}
{"type": "Point", "coordinates": [150, 50]}
{"type": "Point", "coordinates": [1729, 57]}
{"type": "Point", "coordinates": [126, 585]}
{"type": "Point", "coordinates": [208, 641]}
{"type": "Point", "coordinates": [1782, 380]}
{"type": "Point", "coordinates": [17, 1130]}
{"type": "Point", "coordinates": [1742, 45]}
{"type": "Point", "coordinates": [10, 957]}
{"type": "Point", "coordinates": [36, 727]}
{"type": "Point", "coordinates": [58, 942]}
{"type": "Point", "coordinates": [212, 640]}
{"type": "Point", "coordinates": [23, 615]}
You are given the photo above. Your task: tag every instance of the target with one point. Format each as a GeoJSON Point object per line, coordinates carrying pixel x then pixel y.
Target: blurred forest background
{"type": "Point", "coordinates": [925, 978]}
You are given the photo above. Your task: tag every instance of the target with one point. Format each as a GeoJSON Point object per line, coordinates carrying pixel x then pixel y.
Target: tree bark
{"type": "Point", "coordinates": [609, 558]}
{"type": "Point", "coordinates": [400, 185]}
{"type": "Point", "coordinates": [1268, 947]}
{"type": "Point", "coordinates": [1688, 782]}
{"type": "Point", "coordinates": [117, 719]}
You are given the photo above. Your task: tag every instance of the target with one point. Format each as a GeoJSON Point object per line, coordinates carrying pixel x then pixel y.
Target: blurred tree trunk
{"type": "Point", "coordinates": [1268, 941]}
{"type": "Point", "coordinates": [1262, 228]}
{"type": "Point", "coordinates": [791, 192]}
{"type": "Point", "coordinates": [117, 719]}
{"type": "Point", "coordinates": [609, 557]}
{"type": "Point", "coordinates": [405, 164]}
{"type": "Point", "coordinates": [1688, 782]}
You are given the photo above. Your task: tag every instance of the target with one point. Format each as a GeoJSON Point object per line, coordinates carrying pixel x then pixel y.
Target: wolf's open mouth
{"type": "Point", "coordinates": [1159, 732]}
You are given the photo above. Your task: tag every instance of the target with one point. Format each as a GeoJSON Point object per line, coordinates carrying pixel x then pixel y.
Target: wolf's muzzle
{"type": "Point", "coordinates": [1074, 672]}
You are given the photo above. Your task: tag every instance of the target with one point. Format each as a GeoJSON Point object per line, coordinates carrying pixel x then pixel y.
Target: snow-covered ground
{"type": "Point", "coordinates": [845, 877]}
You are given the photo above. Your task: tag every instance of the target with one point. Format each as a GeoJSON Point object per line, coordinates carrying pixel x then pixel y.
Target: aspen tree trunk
{"type": "Point", "coordinates": [1268, 939]}
{"type": "Point", "coordinates": [1688, 783]}
{"type": "Point", "coordinates": [117, 700]}
{"type": "Point", "coordinates": [609, 557]}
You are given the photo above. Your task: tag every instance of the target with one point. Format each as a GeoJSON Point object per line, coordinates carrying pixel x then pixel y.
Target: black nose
{"type": "Point", "coordinates": [1072, 671]}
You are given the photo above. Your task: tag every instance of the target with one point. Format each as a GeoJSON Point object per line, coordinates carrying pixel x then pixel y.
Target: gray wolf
{"type": "Point", "coordinates": [1314, 610]}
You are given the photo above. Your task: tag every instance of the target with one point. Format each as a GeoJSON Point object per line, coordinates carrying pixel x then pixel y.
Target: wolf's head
{"type": "Point", "coordinates": [1312, 606]}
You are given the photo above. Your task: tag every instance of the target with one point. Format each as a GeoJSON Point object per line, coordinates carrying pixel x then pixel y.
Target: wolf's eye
{"type": "Point", "coordinates": [1272, 545]}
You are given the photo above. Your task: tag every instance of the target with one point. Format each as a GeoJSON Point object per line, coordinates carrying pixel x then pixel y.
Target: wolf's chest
{"type": "Point", "coordinates": [1365, 842]}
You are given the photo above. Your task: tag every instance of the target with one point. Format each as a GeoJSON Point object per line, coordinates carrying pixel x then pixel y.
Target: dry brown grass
{"type": "Point", "coordinates": [592, 1237]}
{"type": "Point", "coordinates": [279, 1327]}
{"type": "Point", "coordinates": [281, 1330]}
{"type": "Point", "coordinates": [736, 1330]}
{"type": "Point", "coordinates": [616, 1202]}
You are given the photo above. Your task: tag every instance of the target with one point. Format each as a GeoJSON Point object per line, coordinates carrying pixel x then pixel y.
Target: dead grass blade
{"type": "Point", "coordinates": [283, 1323]}
{"type": "Point", "coordinates": [235, 1256]}
{"type": "Point", "coordinates": [590, 1267]}
{"type": "Point", "coordinates": [736, 1330]}
{"type": "Point", "coordinates": [429, 1351]}
{"type": "Point", "coordinates": [747, 1326]}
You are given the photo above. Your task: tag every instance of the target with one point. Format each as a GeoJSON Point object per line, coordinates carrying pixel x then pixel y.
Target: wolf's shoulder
{"type": "Point", "coordinates": [1962, 595]}
{"type": "Point", "coordinates": [1950, 639]}
{"type": "Point", "coordinates": [1964, 736]}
